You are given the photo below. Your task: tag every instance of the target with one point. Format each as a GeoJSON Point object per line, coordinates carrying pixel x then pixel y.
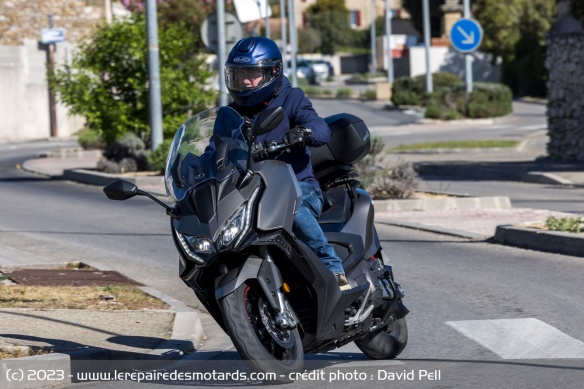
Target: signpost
{"type": "Point", "coordinates": [466, 36]}
{"type": "Point", "coordinates": [51, 36]}
{"type": "Point", "coordinates": [233, 31]}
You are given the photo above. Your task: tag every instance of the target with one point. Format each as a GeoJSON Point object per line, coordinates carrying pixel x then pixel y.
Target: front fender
{"type": "Point", "coordinates": [227, 283]}
{"type": "Point", "coordinates": [265, 272]}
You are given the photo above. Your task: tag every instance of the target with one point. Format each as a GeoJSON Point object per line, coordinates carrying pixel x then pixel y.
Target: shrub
{"type": "Point", "coordinates": [344, 92]}
{"type": "Point", "coordinates": [486, 100]}
{"type": "Point", "coordinates": [124, 156]}
{"type": "Point", "coordinates": [395, 181]}
{"type": "Point", "coordinates": [412, 91]}
{"type": "Point", "coordinates": [90, 140]}
{"type": "Point", "coordinates": [311, 91]}
{"type": "Point", "coordinates": [157, 158]}
{"type": "Point", "coordinates": [107, 81]}
{"type": "Point", "coordinates": [565, 224]}
{"type": "Point", "coordinates": [370, 95]}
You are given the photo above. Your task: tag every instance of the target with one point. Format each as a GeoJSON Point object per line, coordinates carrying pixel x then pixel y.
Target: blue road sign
{"type": "Point", "coordinates": [52, 35]}
{"type": "Point", "coordinates": [466, 35]}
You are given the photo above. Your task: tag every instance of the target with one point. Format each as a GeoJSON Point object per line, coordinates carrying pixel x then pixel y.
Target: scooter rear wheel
{"type": "Point", "coordinates": [251, 324]}
{"type": "Point", "coordinates": [386, 343]}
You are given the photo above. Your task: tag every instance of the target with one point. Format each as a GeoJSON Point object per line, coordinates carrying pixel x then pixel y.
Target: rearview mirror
{"type": "Point", "coordinates": [120, 190]}
{"type": "Point", "coordinates": [267, 120]}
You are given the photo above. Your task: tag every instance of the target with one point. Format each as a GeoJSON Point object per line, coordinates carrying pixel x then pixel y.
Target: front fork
{"type": "Point", "coordinates": [271, 282]}
{"type": "Point", "coordinates": [265, 271]}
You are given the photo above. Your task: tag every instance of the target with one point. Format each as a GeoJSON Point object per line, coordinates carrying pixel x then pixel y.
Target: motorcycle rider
{"type": "Point", "coordinates": [255, 81]}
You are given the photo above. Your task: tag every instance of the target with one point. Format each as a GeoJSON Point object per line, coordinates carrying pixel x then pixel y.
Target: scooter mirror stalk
{"type": "Point", "coordinates": [123, 190]}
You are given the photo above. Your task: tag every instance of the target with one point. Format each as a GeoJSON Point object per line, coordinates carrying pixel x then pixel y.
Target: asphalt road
{"type": "Point", "coordinates": [482, 316]}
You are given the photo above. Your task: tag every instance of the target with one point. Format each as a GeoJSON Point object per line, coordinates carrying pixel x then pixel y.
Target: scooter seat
{"type": "Point", "coordinates": [337, 206]}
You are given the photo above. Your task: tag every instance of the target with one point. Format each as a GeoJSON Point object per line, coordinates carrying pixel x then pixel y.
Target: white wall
{"type": "Point", "coordinates": [445, 59]}
{"type": "Point", "coordinates": [24, 100]}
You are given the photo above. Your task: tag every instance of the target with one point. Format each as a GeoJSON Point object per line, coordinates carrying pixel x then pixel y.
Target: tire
{"type": "Point", "coordinates": [255, 342]}
{"type": "Point", "coordinates": [386, 343]}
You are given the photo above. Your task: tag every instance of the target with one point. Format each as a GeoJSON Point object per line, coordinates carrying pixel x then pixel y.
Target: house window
{"type": "Point", "coordinates": [355, 19]}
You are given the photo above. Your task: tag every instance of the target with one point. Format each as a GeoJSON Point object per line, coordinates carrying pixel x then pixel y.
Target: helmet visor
{"type": "Point", "coordinates": [241, 78]}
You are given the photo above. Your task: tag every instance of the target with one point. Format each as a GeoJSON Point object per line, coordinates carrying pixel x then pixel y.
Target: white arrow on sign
{"type": "Point", "coordinates": [469, 39]}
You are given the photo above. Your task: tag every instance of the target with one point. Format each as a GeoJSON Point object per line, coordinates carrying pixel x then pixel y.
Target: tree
{"type": "Point", "coordinates": [578, 10]}
{"type": "Point", "coordinates": [415, 9]}
{"type": "Point", "coordinates": [514, 30]}
{"type": "Point", "coordinates": [107, 80]}
{"type": "Point", "coordinates": [331, 19]}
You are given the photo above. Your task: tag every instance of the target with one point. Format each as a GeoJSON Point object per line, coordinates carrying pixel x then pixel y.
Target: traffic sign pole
{"type": "Point", "coordinates": [52, 99]}
{"type": "Point", "coordinates": [221, 51]}
{"type": "Point", "coordinates": [468, 58]}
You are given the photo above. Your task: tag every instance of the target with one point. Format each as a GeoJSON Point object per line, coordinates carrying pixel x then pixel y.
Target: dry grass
{"type": "Point", "coordinates": [19, 352]}
{"type": "Point", "coordinates": [77, 297]}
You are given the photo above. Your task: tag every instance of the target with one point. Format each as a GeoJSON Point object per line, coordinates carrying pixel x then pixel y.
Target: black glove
{"type": "Point", "coordinates": [298, 136]}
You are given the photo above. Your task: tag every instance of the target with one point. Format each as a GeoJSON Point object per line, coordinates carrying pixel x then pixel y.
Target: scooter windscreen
{"type": "Point", "coordinates": [209, 145]}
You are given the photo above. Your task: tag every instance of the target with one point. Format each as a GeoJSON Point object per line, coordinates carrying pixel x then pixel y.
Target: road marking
{"type": "Point", "coordinates": [533, 127]}
{"type": "Point", "coordinates": [520, 338]}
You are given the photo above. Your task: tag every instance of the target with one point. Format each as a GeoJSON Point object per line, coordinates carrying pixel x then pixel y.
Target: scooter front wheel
{"type": "Point", "coordinates": [251, 324]}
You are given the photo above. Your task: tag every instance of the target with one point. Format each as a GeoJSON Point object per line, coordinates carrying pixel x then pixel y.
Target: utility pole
{"type": "Point", "coordinates": [52, 99]}
{"type": "Point", "coordinates": [468, 57]}
{"type": "Point", "coordinates": [108, 11]}
{"type": "Point", "coordinates": [267, 19]}
{"type": "Point", "coordinates": [284, 39]}
{"type": "Point", "coordinates": [293, 41]}
{"type": "Point", "coordinates": [373, 43]}
{"type": "Point", "coordinates": [427, 41]}
{"type": "Point", "coordinates": [153, 75]}
{"type": "Point", "coordinates": [221, 55]}
{"type": "Point", "coordinates": [388, 17]}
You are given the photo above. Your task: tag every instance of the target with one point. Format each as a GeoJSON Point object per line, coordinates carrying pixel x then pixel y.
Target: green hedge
{"type": "Point", "coordinates": [486, 100]}
{"type": "Point", "coordinates": [412, 91]}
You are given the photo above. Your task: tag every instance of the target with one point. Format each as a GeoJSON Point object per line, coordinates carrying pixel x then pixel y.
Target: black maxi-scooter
{"type": "Point", "coordinates": [232, 225]}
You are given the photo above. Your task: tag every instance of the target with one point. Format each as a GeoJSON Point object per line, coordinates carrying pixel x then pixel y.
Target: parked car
{"type": "Point", "coordinates": [322, 69]}
{"type": "Point", "coordinates": [303, 70]}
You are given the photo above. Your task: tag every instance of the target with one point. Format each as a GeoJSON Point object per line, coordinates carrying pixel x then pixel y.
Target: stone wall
{"type": "Point", "coordinates": [565, 61]}
{"type": "Point", "coordinates": [24, 19]}
{"type": "Point", "coordinates": [24, 102]}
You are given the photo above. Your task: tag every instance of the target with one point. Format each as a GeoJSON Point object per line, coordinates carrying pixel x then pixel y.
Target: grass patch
{"type": "Point", "coordinates": [465, 144]}
{"type": "Point", "coordinates": [78, 297]}
{"type": "Point", "coordinates": [565, 224]}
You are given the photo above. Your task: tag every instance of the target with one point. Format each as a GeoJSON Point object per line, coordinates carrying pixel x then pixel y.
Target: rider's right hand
{"type": "Point", "coordinates": [297, 136]}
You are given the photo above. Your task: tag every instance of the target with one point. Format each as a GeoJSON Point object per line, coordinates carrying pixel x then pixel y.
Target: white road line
{"type": "Point", "coordinates": [520, 338]}
{"type": "Point", "coordinates": [533, 127]}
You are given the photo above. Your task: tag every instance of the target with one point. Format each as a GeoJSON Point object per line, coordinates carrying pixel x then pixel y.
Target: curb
{"type": "Point", "coordinates": [98, 178]}
{"type": "Point", "coordinates": [533, 177]}
{"type": "Point", "coordinates": [186, 334]}
{"type": "Point", "coordinates": [540, 240]}
{"type": "Point", "coordinates": [436, 230]}
{"type": "Point", "coordinates": [443, 204]}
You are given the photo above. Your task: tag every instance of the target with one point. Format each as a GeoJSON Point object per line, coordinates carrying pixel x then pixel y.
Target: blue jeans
{"type": "Point", "coordinates": [307, 229]}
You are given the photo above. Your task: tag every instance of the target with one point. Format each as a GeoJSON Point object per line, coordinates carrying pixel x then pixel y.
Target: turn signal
{"type": "Point", "coordinates": [285, 287]}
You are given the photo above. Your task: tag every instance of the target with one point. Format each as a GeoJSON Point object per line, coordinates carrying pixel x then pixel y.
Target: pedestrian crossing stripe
{"type": "Point", "coordinates": [520, 338]}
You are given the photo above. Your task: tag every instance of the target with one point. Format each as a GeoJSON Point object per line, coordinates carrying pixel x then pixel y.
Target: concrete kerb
{"type": "Point", "coordinates": [540, 240]}
{"type": "Point", "coordinates": [186, 335]}
{"type": "Point", "coordinates": [435, 230]}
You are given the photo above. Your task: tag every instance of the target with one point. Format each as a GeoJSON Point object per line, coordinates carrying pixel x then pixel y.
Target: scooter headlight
{"type": "Point", "coordinates": [237, 225]}
{"type": "Point", "coordinates": [233, 227]}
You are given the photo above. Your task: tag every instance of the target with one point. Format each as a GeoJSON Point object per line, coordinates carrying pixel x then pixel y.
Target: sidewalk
{"type": "Point", "coordinates": [180, 330]}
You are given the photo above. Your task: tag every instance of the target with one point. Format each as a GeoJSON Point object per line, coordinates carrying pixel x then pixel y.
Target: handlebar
{"type": "Point", "coordinates": [262, 150]}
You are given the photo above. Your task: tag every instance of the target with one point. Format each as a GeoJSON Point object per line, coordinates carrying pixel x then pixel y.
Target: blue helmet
{"type": "Point", "coordinates": [253, 70]}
